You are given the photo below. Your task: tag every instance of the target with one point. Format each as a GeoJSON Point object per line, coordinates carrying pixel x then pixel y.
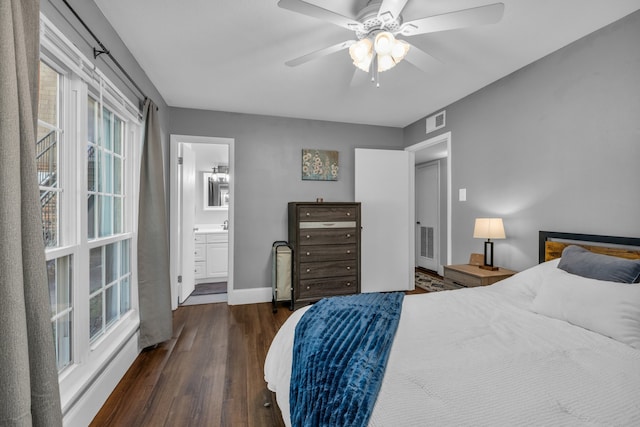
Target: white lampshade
{"type": "Point", "coordinates": [400, 50]}
{"type": "Point", "coordinates": [361, 54]}
{"type": "Point", "coordinates": [385, 62]}
{"type": "Point", "coordinates": [489, 228]}
{"type": "Point", "coordinates": [384, 43]}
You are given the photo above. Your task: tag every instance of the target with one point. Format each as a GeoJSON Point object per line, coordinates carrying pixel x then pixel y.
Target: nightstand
{"type": "Point", "coordinates": [471, 275]}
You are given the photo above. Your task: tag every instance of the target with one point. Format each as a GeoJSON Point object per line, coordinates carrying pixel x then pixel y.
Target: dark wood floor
{"type": "Point", "coordinates": [209, 374]}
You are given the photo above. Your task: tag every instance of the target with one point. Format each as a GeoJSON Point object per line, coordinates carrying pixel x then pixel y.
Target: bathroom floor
{"type": "Point", "coordinates": [210, 288]}
{"type": "Point", "coordinates": [207, 293]}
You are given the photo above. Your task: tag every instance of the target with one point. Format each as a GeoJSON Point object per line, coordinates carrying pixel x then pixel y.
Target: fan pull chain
{"type": "Point", "coordinates": [375, 74]}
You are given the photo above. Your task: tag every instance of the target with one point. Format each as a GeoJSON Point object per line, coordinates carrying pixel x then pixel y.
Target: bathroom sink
{"type": "Point", "coordinates": [210, 228]}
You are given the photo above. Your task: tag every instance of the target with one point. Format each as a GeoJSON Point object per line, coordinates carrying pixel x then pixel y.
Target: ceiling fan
{"type": "Point", "coordinates": [376, 27]}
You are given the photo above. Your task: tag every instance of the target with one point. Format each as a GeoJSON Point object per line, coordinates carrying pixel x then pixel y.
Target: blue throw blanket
{"type": "Point", "coordinates": [340, 353]}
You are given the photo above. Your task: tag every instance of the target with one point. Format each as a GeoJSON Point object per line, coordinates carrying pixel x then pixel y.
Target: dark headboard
{"type": "Point", "coordinates": [549, 248]}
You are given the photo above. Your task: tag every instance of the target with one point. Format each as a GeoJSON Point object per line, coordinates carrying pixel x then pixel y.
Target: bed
{"type": "Point", "coordinates": [547, 346]}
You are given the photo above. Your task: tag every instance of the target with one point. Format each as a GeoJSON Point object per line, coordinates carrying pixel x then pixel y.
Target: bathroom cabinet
{"type": "Point", "coordinates": [211, 256]}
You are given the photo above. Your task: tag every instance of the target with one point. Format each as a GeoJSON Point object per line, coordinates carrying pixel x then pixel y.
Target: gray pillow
{"type": "Point", "coordinates": [580, 261]}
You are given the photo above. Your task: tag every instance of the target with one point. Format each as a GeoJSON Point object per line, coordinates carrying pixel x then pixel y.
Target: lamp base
{"type": "Point", "coordinates": [489, 267]}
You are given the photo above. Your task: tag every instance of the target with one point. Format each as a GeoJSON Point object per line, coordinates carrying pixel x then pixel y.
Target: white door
{"type": "Point", "coordinates": [427, 216]}
{"type": "Point", "coordinates": [187, 207]}
{"type": "Point", "coordinates": [384, 185]}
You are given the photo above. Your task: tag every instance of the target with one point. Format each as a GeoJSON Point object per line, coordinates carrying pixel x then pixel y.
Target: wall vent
{"type": "Point", "coordinates": [426, 242]}
{"type": "Point", "coordinates": [436, 121]}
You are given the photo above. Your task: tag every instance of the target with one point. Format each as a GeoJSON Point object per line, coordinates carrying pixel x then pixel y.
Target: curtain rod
{"type": "Point", "coordinates": [104, 50]}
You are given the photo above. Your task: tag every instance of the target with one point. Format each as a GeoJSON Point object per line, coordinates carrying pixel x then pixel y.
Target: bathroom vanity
{"type": "Point", "coordinates": [211, 253]}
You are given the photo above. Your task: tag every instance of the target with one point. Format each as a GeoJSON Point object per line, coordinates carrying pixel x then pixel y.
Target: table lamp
{"type": "Point", "coordinates": [488, 228]}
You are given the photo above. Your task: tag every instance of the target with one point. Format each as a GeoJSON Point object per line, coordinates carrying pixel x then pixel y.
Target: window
{"type": "Point", "coordinates": [87, 144]}
{"type": "Point", "coordinates": [108, 264]}
{"type": "Point", "coordinates": [59, 263]}
{"type": "Point", "coordinates": [47, 151]}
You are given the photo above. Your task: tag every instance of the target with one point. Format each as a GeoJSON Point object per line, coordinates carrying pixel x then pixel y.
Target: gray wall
{"type": "Point", "coordinates": [268, 174]}
{"type": "Point", "coordinates": [553, 146]}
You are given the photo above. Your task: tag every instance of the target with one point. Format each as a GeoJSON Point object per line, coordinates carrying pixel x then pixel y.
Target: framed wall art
{"type": "Point", "coordinates": [319, 165]}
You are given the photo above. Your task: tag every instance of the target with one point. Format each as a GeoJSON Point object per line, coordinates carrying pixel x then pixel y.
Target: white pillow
{"type": "Point", "coordinates": [608, 308]}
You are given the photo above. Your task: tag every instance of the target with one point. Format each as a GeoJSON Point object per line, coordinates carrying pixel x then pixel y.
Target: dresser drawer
{"type": "Point", "coordinates": [313, 270]}
{"type": "Point", "coordinates": [327, 213]}
{"type": "Point", "coordinates": [312, 236]}
{"type": "Point", "coordinates": [313, 253]}
{"type": "Point", "coordinates": [319, 288]}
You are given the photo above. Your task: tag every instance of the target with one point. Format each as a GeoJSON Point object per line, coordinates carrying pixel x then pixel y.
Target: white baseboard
{"type": "Point", "coordinates": [87, 406]}
{"type": "Point", "coordinates": [249, 296]}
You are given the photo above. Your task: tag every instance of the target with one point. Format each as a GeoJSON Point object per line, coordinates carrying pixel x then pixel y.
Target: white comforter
{"type": "Point", "coordinates": [481, 357]}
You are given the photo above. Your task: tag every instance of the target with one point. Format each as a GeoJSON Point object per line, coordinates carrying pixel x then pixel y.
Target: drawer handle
{"type": "Point", "coordinates": [308, 287]}
{"type": "Point", "coordinates": [308, 270]}
{"type": "Point", "coordinates": [348, 251]}
{"type": "Point", "coordinates": [348, 283]}
{"type": "Point", "coordinates": [348, 235]}
{"type": "Point", "coordinates": [348, 213]}
{"type": "Point", "coordinates": [348, 268]}
{"type": "Point", "coordinates": [308, 237]}
{"type": "Point", "coordinates": [308, 214]}
{"type": "Point", "coordinates": [308, 253]}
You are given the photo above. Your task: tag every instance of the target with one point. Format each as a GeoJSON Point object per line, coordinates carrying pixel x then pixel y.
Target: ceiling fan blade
{"type": "Point", "coordinates": [422, 60]}
{"type": "Point", "coordinates": [390, 10]}
{"type": "Point", "coordinates": [318, 12]}
{"type": "Point", "coordinates": [482, 15]}
{"type": "Point", "coordinates": [320, 53]}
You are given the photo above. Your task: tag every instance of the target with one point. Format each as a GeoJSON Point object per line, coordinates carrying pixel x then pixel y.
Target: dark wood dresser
{"type": "Point", "coordinates": [326, 250]}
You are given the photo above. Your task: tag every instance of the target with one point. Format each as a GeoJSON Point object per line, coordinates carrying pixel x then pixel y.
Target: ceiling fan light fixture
{"type": "Point", "coordinates": [384, 43]}
{"type": "Point", "coordinates": [385, 62]}
{"type": "Point", "coordinates": [362, 54]}
{"type": "Point", "coordinates": [400, 50]}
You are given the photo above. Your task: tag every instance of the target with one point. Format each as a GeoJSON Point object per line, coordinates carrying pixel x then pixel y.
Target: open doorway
{"type": "Point", "coordinates": [433, 202]}
{"type": "Point", "coordinates": [201, 219]}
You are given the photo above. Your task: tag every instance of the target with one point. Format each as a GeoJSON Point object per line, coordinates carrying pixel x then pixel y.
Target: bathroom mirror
{"type": "Point", "coordinates": [216, 191]}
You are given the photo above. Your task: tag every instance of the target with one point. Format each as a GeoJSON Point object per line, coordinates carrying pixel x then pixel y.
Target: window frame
{"type": "Point", "coordinates": [79, 79]}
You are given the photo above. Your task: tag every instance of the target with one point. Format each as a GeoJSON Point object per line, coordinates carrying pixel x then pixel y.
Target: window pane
{"type": "Point", "coordinates": [49, 98]}
{"type": "Point", "coordinates": [49, 210]}
{"type": "Point", "coordinates": [111, 304]}
{"type": "Point", "coordinates": [95, 269]}
{"type": "Point", "coordinates": [92, 168]}
{"type": "Point", "coordinates": [91, 219]}
{"type": "Point", "coordinates": [125, 296]}
{"type": "Point", "coordinates": [106, 214]}
{"type": "Point", "coordinates": [59, 275]}
{"type": "Point", "coordinates": [62, 328]}
{"type": "Point", "coordinates": [117, 175]}
{"type": "Point", "coordinates": [108, 173]}
{"type": "Point", "coordinates": [47, 151]}
{"type": "Point", "coordinates": [107, 121]}
{"type": "Point", "coordinates": [117, 215]}
{"type": "Point", "coordinates": [47, 159]}
{"type": "Point", "coordinates": [99, 170]}
{"type": "Point", "coordinates": [92, 129]}
{"type": "Point", "coordinates": [118, 131]}
{"type": "Point", "coordinates": [111, 262]}
{"type": "Point", "coordinates": [95, 315]}
{"type": "Point", "coordinates": [124, 258]}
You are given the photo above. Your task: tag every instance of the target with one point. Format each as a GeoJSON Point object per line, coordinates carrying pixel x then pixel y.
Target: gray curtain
{"type": "Point", "coordinates": [154, 285]}
{"type": "Point", "coordinates": [29, 392]}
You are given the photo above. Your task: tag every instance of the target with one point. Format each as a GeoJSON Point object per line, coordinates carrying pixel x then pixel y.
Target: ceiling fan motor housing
{"type": "Point", "coordinates": [372, 24]}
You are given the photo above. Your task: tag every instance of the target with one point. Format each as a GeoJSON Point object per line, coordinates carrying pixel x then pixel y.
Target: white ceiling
{"type": "Point", "coordinates": [229, 55]}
